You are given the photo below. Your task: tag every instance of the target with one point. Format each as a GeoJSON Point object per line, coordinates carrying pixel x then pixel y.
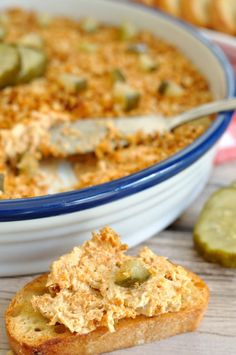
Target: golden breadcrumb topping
{"type": "Point", "coordinates": [29, 110]}
{"type": "Point", "coordinates": [83, 293]}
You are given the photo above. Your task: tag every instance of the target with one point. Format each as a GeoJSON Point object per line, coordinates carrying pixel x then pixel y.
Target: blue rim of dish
{"type": "Point", "coordinates": [79, 200]}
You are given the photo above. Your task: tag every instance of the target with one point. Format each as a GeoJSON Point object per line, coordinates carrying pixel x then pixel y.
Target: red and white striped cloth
{"type": "Point", "coordinates": [227, 145]}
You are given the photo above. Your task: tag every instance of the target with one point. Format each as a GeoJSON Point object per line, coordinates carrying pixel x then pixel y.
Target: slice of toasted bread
{"type": "Point", "coordinates": [196, 12]}
{"type": "Point", "coordinates": [223, 14]}
{"type": "Point", "coordinates": [170, 6]}
{"type": "Point", "coordinates": [219, 15]}
{"type": "Point", "coordinates": [29, 333]}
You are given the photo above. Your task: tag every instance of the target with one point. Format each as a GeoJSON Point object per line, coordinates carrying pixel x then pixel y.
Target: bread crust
{"type": "Point", "coordinates": [223, 14]}
{"type": "Point", "coordinates": [170, 6]}
{"type": "Point", "coordinates": [194, 11]}
{"type": "Point", "coordinates": [129, 332]}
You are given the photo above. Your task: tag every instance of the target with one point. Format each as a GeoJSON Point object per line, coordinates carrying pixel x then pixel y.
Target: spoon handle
{"type": "Point", "coordinates": [90, 132]}
{"type": "Point", "coordinates": [200, 111]}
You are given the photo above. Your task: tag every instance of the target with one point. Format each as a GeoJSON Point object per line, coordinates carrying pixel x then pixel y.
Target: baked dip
{"type": "Point", "coordinates": [61, 70]}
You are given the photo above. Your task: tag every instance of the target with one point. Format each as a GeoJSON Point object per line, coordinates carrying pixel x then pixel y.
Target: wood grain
{"type": "Point", "coordinates": [217, 334]}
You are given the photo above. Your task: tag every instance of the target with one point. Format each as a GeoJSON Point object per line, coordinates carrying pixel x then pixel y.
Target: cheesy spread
{"type": "Point", "coordinates": [83, 294]}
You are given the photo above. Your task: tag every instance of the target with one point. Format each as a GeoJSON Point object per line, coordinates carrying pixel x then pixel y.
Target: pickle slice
{"type": "Point", "coordinates": [131, 273]}
{"type": "Point", "coordinates": [233, 185]}
{"type": "Point", "coordinates": [3, 33]}
{"type": "Point", "coordinates": [89, 25]}
{"type": "Point", "coordinates": [215, 231]}
{"type": "Point", "coordinates": [137, 48]}
{"type": "Point", "coordinates": [170, 89]}
{"type": "Point", "coordinates": [32, 40]}
{"type": "Point", "coordinates": [147, 63]}
{"type": "Point", "coordinates": [33, 64]}
{"type": "Point", "coordinates": [117, 75]}
{"type": "Point", "coordinates": [73, 83]}
{"type": "Point", "coordinates": [126, 96]}
{"type": "Point", "coordinates": [9, 64]}
{"type": "Point", "coordinates": [127, 31]}
{"type": "Point", "coordinates": [4, 19]}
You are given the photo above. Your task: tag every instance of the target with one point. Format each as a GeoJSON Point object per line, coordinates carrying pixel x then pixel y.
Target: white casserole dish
{"type": "Point", "coordinates": [33, 232]}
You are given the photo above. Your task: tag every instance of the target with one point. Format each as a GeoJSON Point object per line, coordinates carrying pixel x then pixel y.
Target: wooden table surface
{"type": "Point", "coordinates": [217, 333]}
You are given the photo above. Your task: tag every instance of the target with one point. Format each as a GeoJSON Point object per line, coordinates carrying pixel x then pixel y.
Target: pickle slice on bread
{"type": "Point", "coordinates": [97, 299]}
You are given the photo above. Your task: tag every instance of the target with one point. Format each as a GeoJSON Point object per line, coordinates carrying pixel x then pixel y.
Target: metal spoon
{"type": "Point", "coordinates": [84, 135]}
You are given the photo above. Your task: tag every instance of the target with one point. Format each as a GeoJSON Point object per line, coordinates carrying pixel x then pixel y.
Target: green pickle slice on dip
{"type": "Point", "coordinates": [9, 64]}
{"type": "Point", "coordinates": [215, 230]}
{"type": "Point", "coordinates": [33, 64]}
{"type": "Point", "coordinates": [131, 273]}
